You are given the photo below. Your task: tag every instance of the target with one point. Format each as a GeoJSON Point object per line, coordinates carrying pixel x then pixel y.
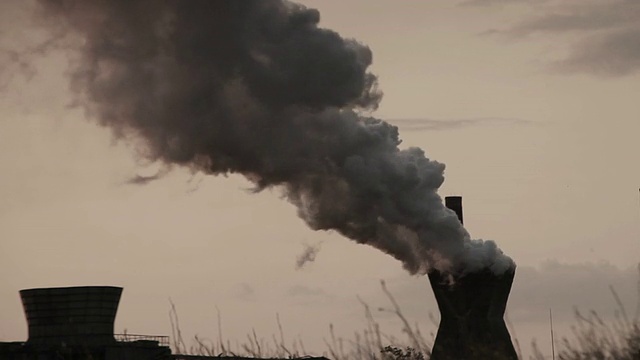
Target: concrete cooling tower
{"type": "Point", "coordinates": [472, 310]}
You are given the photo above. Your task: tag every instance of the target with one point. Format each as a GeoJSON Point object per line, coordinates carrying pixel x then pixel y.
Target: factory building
{"type": "Point", "coordinates": [77, 323]}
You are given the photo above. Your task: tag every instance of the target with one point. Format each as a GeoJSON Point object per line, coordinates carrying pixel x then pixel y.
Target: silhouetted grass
{"type": "Point", "coordinates": [593, 339]}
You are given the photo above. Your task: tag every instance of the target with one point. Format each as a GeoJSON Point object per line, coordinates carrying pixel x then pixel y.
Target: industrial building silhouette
{"type": "Point", "coordinates": [77, 323]}
{"type": "Point", "coordinates": [472, 311]}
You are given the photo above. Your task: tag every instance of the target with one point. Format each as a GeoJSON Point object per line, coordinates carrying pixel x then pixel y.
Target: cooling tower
{"type": "Point", "coordinates": [472, 312]}
{"type": "Point", "coordinates": [71, 316]}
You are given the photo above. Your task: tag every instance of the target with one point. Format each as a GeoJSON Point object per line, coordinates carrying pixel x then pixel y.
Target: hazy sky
{"type": "Point", "coordinates": [532, 105]}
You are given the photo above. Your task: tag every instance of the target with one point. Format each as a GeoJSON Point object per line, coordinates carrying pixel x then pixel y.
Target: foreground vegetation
{"type": "Point", "coordinates": [593, 339]}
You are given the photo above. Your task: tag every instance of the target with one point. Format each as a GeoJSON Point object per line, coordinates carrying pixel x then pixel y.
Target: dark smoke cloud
{"type": "Point", "coordinates": [257, 88]}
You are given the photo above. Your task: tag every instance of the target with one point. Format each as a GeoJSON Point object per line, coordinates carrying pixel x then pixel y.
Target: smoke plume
{"type": "Point", "coordinates": [255, 87]}
{"type": "Point", "coordinates": [308, 255]}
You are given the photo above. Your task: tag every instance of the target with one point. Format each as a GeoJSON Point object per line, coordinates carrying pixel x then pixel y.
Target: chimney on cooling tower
{"type": "Point", "coordinates": [472, 309]}
{"type": "Point", "coordinates": [455, 203]}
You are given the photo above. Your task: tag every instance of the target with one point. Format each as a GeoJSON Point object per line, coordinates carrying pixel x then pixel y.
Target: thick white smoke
{"type": "Point", "coordinates": [256, 87]}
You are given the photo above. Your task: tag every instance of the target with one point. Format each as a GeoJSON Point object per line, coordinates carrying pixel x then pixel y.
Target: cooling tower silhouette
{"type": "Point", "coordinates": [472, 310]}
{"type": "Point", "coordinates": [70, 316]}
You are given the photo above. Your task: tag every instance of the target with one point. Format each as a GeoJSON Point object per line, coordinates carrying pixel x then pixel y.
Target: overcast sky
{"type": "Point", "coordinates": [532, 106]}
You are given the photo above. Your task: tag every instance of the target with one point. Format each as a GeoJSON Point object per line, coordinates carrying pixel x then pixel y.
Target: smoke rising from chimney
{"type": "Point", "coordinates": [257, 88]}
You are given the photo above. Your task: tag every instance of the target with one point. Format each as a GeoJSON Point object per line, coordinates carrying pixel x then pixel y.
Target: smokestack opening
{"type": "Point", "coordinates": [82, 315]}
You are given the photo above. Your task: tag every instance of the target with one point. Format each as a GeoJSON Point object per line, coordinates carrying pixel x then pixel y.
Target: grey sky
{"type": "Point", "coordinates": [448, 124]}
{"type": "Point", "coordinates": [559, 193]}
{"type": "Point", "coordinates": [498, 2]}
{"type": "Point", "coordinates": [603, 36]}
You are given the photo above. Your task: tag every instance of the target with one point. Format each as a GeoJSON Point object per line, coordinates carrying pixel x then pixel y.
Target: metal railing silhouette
{"type": "Point", "coordinates": [161, 340]}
